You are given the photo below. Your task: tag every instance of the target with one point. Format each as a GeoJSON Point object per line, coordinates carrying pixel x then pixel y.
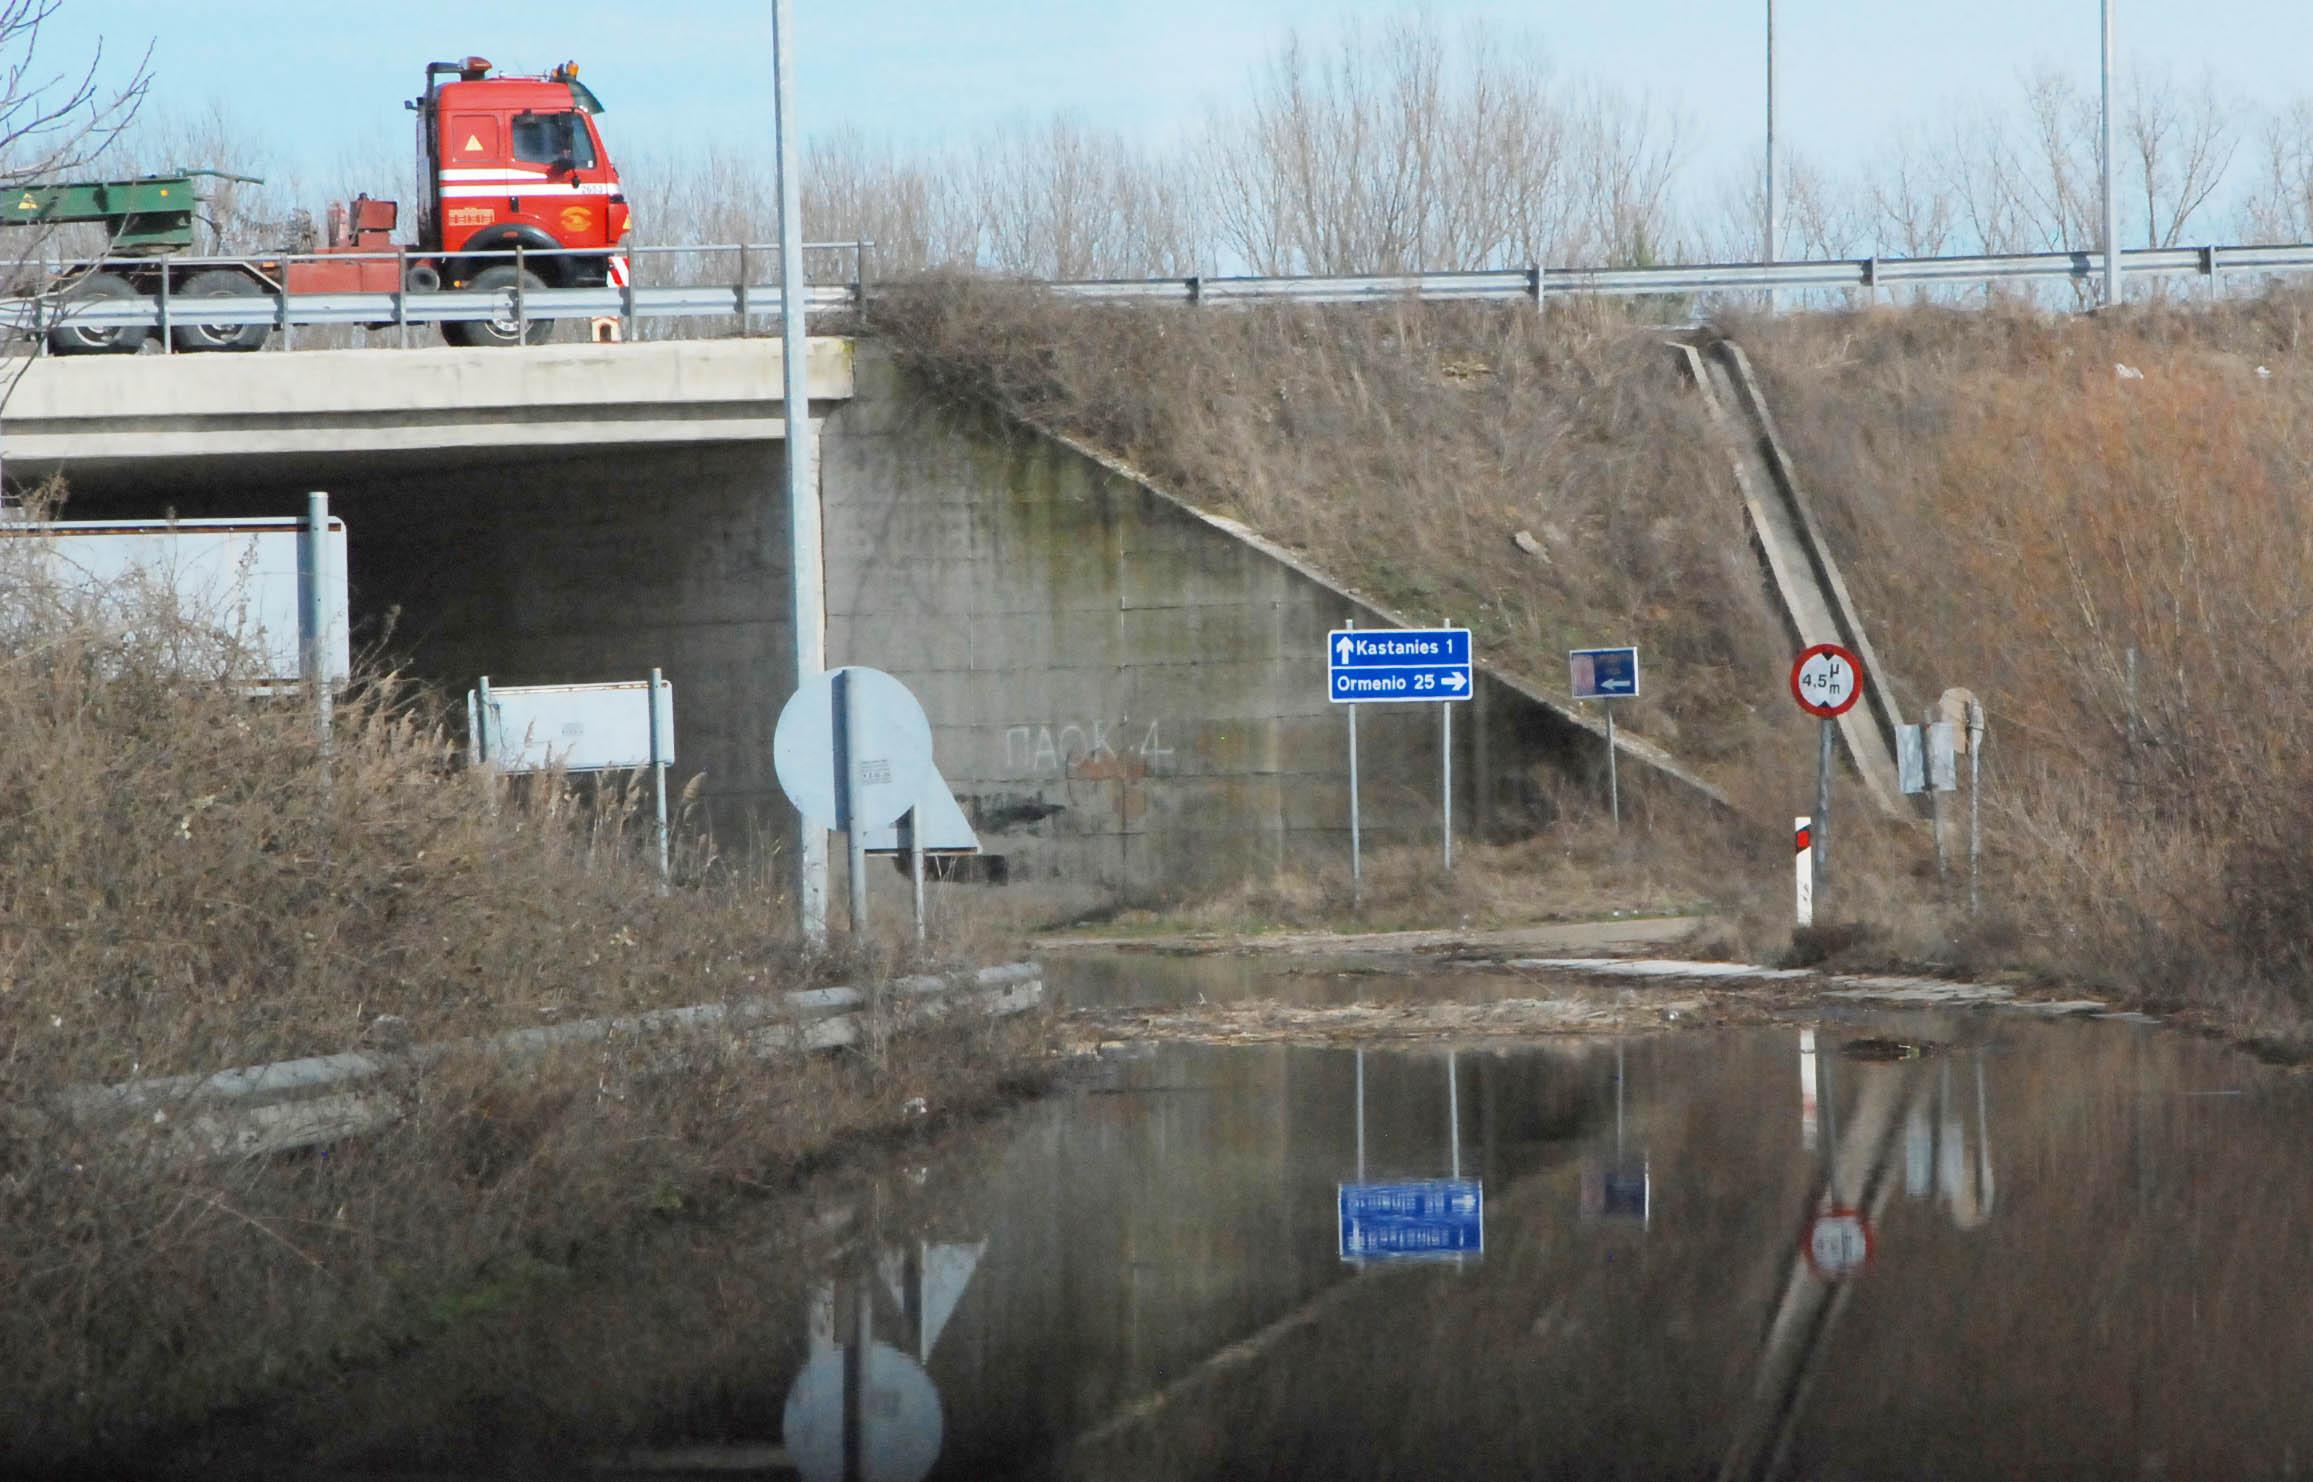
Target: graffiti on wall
{"type": "Point", "coordinates": [1091, 750]}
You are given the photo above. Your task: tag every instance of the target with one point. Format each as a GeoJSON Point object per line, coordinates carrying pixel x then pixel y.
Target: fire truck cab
{"type": "Point", "coordinates": [515, 165]}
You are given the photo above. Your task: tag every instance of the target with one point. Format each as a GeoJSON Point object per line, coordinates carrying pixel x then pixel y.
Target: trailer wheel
{"type": "Point", "coordinates": [507, 331]}
{"type": "Point", "coordinates": [68, 338]}
{"type": "Point", "coordinates": [195, 337]}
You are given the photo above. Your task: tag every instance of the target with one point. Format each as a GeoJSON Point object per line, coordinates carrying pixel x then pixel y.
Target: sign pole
{"type": "Point", "coordinates": [1446, 776]}
{"type": "Point", "coordinates": [1613, 774]}
{"type": "Point", "coordinates": [1356, 854]}
{"type": "Point", "coordinates": [659, 779]}
{"type": "Point", "coordinates": [1822, 825]}
{"type": "Point", "coordinates": [1454, 1109]}
{"type": "Point", "coordinates": [916, 866]}
{"type": "Point", "coordinates": [313, 613]}
{"type": "Point", "coordinates": [850, 721]}
{"type": "Point", "coordinates": [1975, 803]}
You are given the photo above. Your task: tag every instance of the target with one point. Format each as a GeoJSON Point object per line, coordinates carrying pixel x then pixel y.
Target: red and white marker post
{"type": "Point", "coordinates": [1803, 858]}
{"type": "Point", "coordinates": [1826, 680]}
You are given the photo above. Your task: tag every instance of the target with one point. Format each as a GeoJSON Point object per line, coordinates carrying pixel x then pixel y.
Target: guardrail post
{"type": "Point", "coordinates": [1534, 289]}
{"type": "Point", "coordinates": [282, 292]}
{"type": "Point", "coordinates": [402, 294]}
{"type": "Point", "coordinates": [2209, 269]}
{"type": "Point", "coordinates": [1871, 276]}
{"type": "Point", "coordinates": [168, 341]}
{"type": "Point", "coordinates": [626, 305]}
{"type": "Point", "coordinates": [746, 276]}
{"type": "Point", "coordinates": [1196, 289]}
{"type": "Point", "coordinates": [521, 307]}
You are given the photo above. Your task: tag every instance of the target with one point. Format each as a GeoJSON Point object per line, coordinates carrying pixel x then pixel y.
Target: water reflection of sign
{"type": "Point", "coordinates": [897, 1418]}
{"type": "Point", "coordinates": [1436, 1219]}
{"type": "Point", "coordinates": [1617, 1191]}
{"type": "Point", "coordinates": [1838, 1244]}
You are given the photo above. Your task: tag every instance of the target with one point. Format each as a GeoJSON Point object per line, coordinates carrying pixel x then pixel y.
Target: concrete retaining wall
{"type": "Point", "coordinates": [1129, 695]}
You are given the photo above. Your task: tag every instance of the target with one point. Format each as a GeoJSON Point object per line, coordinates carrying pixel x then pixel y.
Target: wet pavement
{"type": "Point", "coordinates": [1862, 1243]}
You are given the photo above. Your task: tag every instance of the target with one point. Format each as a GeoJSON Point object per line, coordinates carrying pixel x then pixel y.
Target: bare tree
{"type": "Point", "coordinates": [54, 122]}
{"type": "Point", "coordinates": [2278, 206]}
{"type": "Point", "coordinates": [1062, 200]}
{"type": "Point", "coordinates": [1400, 150]}
{"type": "Point", "coordinates": [2183, 140]}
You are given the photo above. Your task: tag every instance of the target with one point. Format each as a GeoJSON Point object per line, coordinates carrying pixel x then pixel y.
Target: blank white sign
{"type": "Point", "coordinates": [576, 727]}
{"type": "Point", "coordinates": [236, 577]}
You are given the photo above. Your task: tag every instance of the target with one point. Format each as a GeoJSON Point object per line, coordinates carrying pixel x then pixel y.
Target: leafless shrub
{"type": "Point", "coordinates": [189, 890]}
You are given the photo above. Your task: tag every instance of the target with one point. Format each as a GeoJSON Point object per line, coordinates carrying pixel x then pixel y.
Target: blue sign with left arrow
{"type": "Point", "coordinates": [1603, 673]}
{"type": "Point", "coordinates": [1369, 665]}
{"type": "Point", "coordinates": [1434, 1219]}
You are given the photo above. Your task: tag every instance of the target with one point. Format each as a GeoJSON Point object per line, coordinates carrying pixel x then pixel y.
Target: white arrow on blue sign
{"type": "Point", "coordinates": [1369, 665]}
{"type": "Point", "coordinates": [1603, 673]}
{"type": "Point", "coordinates": [1434, 1219]}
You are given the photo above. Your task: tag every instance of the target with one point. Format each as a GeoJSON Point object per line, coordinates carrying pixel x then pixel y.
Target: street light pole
{"type": "Point", "coordinates": [2111, 153]}
{"type": "Point", "coordinates": [1774, 205]}
{"type": "Point", "coordinates": [800, 453]}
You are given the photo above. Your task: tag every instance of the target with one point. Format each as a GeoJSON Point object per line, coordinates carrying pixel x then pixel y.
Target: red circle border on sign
{"type": "Point", "coordinates": [1862, 1222]}
{"type": "Point", "coordinates": [1828, 649]}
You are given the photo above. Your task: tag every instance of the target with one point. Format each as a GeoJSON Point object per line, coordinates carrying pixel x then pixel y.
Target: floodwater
{"type": "Point", "coordinates": [2037, 1249]}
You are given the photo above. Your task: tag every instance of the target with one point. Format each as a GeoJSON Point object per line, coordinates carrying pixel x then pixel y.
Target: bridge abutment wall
{"type": "Point", "coordinates": [1127, 694]}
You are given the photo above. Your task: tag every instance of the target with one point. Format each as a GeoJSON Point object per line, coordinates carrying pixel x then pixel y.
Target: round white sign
{"type": "Point", "coordinates": [1827, 680]}
{"type": "Point", "coordinates": [1838, 1244]}
{"type": "Point", "coordinates": [900, 1425]}
{"type": "Point", "coordinates": [890, 754]}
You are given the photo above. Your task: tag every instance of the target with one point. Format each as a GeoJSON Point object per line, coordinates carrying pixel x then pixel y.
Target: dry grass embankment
{"type": "Point", "coordinates": [188, 889]}
{"type": "Point", "coordinates": [2013, 515]}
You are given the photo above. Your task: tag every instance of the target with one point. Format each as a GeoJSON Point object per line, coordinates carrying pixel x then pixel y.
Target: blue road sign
{"type": "Point", "coordinates": [1603, 673]}
{"type": "Point", "coordinates": [1434, 1220]}
{"type": "Point", "coordinates": [1367, 665]}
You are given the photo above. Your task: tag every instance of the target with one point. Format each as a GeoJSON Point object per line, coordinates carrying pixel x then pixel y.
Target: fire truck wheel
{"type": "Point", "coordinates": [215, 283]}
{"type": "Point", "coordinates": [506, 331]}
{"type": "Point", "coordinates": [68, 338]}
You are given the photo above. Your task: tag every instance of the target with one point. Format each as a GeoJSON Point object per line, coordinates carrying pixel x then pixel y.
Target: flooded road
{"type": "Point", "coordinates": [1870, 1245]}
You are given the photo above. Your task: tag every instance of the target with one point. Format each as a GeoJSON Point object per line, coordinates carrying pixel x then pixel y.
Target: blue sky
{"type": "Point", "coordinates": [323, 84]}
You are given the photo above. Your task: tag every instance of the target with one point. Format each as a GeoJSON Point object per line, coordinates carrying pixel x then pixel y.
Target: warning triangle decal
{"type": "Point", "coordinates": [473, 144]}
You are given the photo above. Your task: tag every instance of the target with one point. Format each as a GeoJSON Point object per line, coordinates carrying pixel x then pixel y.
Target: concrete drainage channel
{"type": "Point", "coordinates": [291, 1104]}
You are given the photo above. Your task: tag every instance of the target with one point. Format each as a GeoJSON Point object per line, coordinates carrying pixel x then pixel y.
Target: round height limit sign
{"type": "Point", "coordinates": [1827, 680]}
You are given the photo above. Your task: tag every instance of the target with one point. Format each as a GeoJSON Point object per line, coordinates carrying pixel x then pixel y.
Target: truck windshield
{"type": "Point", "coordinates": [553, 139]}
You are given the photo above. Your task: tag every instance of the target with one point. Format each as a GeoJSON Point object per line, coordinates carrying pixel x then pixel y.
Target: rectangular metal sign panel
{"type": "Point", "coordinates": [1435, 1219]}
{"type": "Point", "coordinates": [1603, 673]}
{"type": "Point", "coordinates": [236, 577]}
{"type": "Point", "coordinates": [1911, 758]}
{"type": "Point", "coordinates": [1943, 760]}
{"type": "Point", "coordinates": [1366, 666]}
{"type": "Point", "coordinates": [576, 727]}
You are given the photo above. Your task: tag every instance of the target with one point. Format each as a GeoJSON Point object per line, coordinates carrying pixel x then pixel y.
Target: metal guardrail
{"type": "Point", "coordinates": [738, 297]}
{"type": "Point", "coordinates": [1538, 284]}
{"type": "Point", "coordinates": [261, 1109]}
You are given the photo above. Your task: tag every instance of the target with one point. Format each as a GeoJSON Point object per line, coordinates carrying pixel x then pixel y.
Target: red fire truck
{"type": "Point", "coordinates": [516, 191]}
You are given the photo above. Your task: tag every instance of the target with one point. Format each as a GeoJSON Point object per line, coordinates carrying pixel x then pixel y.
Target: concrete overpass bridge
{"type": "Point", "coordinates": [1128, 693]}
